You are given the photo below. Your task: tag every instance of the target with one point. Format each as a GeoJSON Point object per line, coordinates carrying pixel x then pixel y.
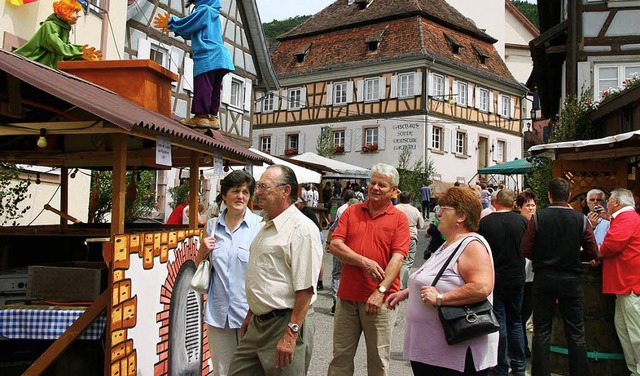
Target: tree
{"type": "Point", "coordinates": [324, 147]}
{"type": "Point", "coordinates": [412, 177]}
{"type": "Point", "coordinates": [528, 10]}
{"type": "Point", "coordinates": [275, 28]}
{"type": "Point", "coordinates": [573, 124]}
{"type": "Point", "coordinates": [12, 192]}
{"type": "Point", "coordinates": [144, 204]}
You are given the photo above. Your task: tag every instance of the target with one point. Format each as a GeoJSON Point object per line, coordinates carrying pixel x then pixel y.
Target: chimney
{"type": "Point", "coordinates": [143, 82]}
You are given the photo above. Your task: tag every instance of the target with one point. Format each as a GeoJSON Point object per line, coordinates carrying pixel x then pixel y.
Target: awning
{"type": "Point", "coordinates": [518, 166]}
{"type": "Point", "coordinates": [339, 169]}
{"type": "Point", "coordinates": [303, 175]}
{"type": "Point", "coordinates": [608, 148]}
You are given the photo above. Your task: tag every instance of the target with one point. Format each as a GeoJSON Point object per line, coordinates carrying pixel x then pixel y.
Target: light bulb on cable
{"type": "Point", "coordinates": [42, 140]}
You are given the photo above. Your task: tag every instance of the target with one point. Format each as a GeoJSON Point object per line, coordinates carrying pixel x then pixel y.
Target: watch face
{"type": "Point", "coordinates": [294, 327]}
{"type": "Point", "coordinates": [382, 289]}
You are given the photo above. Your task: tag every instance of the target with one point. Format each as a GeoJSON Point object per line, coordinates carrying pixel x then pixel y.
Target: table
{"type": "Point", "coordinates": [45, 323]}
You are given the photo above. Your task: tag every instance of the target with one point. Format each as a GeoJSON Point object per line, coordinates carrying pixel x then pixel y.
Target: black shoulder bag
{"type": "Point", "coordinates": [461, 323]}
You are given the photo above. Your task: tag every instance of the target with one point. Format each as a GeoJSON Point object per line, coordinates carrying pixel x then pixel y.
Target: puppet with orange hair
{"type": "Point", "coordinates": [50, 44]}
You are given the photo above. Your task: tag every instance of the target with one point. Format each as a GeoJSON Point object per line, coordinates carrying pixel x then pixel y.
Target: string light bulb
{"type": "Point", "coordinates": [73, 173]}
{"type": "Point", "coordinates": [38, 181]}
{"type": "Point", "coordinates": [42, 140]}
{"type": "Point", "coordinates": [226, 166]}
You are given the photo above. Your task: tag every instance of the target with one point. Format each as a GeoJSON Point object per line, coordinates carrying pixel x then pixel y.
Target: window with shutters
{"type": "Point", "coordinates": [436, 138]}
{"type": "Point", "coordinates": [237, 93]}
{"type": "Point", "coordinates": [406, 85]}
{"type": "Point", "coordinates": [371, 89]}
{"type": "Point", "coordinates": [438, 87]}
{"type": "Point", "coordinates": [462, 97]}
{"type": "Point", "coordinates": [483, 100]}
{"type": "Point", "coordinates": [505, 106]}
{"type": "Point", "coordinates": [612, 76]}
{"type": "Point", "coordinates": [338, 138]}
{"type": "Point", "coordinates": [340, 93]}
{"type": "Point", "coordinates": [294, 99]}
{"type": "Point", "coordinates": [265, 144]}
{"type": "Point", "coordinates": [267, 102]}
{"type": "Point", "coordinates": [371, 136]}
{"type": "Point", "coordinates": [461, 143]}
{"type": "Point", "coordinates": [500, 152]}
{"type": "Point", "coordinates": [159, 54]}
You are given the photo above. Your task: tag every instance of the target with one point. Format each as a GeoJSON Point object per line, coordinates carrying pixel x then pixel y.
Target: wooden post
{"type": "Point", "coordinates": [118, 183]}
{"type": "Point", "coordinates": [64, 195]}
{"type": "Point", "coordinates": [194, 182]}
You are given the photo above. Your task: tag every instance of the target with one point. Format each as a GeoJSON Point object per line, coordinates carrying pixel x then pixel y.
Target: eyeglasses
{"type": "Point", "coordinates": [595, 199]}
{"type": "Point", "coordinates": [441, 208]}
{"type": "Point", "coordinates": [264, 187]}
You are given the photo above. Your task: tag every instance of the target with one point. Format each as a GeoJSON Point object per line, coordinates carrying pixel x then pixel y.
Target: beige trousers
{"type": "Point", "coordinates": [627, 321]}
{"type": "Point", "coordinates": [222, 345]}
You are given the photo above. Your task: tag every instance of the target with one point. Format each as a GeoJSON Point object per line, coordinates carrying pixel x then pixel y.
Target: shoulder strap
{"type": "Point", "coordinates": [212, 223]}
{"type": "Point", "coordinates": [444, 267]}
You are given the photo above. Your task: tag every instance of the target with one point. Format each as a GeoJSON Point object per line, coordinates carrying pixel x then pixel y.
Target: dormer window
{"type": "Point", "coordinates": [372, 46]}
{"type": "Point", "coordinates": [454, 45]}
{"type": "Point", "coordinates": [482, 56]}
{"type": "Point", "coordinates": [362, 4]}
{"type": "Point", "coordinates": [373, 40]}
{"type": "Point", "coordinates": [301, 54]}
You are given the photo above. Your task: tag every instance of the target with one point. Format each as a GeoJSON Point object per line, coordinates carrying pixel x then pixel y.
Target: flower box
{"type": "Point", "coordinates": [338, 149]}
{"type": "Point", "coordinates": [369, 148]}
{"type": "Point", "coordinates": [291, 151]}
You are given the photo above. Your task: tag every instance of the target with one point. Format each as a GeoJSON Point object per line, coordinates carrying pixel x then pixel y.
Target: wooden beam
{"type": "Point", "coordinates": [58, 127]}
{"type": "Point", "coordinates": [598, 154]}
{"type": "Point", "coordinates": [194, 181]}
{"type": "Point", "coordinates": [64, 195]}
{"type": "Point", "coordinates": [80, 325]}
{"type": "Point", "coordinates": [118, 186]}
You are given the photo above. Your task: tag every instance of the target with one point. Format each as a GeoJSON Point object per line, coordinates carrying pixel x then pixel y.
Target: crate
{"type": "Point", "coordinates": [67, 282]}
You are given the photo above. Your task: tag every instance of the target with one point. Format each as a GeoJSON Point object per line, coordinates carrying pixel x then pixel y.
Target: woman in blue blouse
{"type": "Point", "coordinates": [228, 243]}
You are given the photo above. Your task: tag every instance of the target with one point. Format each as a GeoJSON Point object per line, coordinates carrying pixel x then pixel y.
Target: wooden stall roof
{"type": "Point", "coordinates": [78, 112]}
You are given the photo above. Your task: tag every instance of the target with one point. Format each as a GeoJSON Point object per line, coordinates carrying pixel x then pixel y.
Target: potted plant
{"type": "Point", "coordinates": [290, 151]}
{"type": "Point", "coordinates": [338, 149]}
{"type": "Point", "coordinates": [372, 147]}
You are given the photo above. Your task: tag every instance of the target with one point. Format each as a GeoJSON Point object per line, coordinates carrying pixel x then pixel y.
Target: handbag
{"type": "Point", "coordinates": [461, 323]}
{"type": "Point", "coordinates": [202, 277]}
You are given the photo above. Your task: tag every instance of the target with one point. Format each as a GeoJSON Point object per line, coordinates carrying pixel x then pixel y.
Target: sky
{"type": "Point", "coordinates": [282, 9]}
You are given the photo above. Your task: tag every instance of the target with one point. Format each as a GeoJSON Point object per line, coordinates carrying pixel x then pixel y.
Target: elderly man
{"type": "Point", "coordinates": [371, 240]}
{"type": "Point", "coordinates": [552, 242]}
{"type": "Point", "coordinates": [284, 262]}
{"type": "Point", "coordinates": [597, 216]}
{"type": "Point", "coordinates": [504, 230]}
{"type": "Point", "coordinates": [620, 264]}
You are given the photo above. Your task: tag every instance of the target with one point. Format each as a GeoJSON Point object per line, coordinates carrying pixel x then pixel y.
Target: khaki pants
{"type": "Point", "coordinates": [222, 345]}
{"type": "Point", "coordinates": [627, 321]}
{"type": "Point", "coordinates": [349, 322]}
{"type": "Point", "coordinates": [256, 353]}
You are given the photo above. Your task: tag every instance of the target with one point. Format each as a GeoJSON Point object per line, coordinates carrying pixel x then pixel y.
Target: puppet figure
{"type": "Point", "coordinates": [211, 59]}
{"type": "Point", "coordinates": [50, 44]}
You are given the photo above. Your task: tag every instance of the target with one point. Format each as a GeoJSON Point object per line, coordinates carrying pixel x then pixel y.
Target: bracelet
{"type": "Point", "coordinates": [439, 299]}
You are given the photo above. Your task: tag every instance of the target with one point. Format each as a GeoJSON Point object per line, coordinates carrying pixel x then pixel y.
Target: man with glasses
{"type": "Point", "coordinates": [371, 240]}
{"type": "Point", "coordinates": [284, 263]}
{"type": "Point", "coordinates": [620, 253]}
{"type": "Point", "coordinates": [598, 216]}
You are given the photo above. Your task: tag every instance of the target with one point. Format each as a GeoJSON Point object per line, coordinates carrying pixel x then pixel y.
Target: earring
{"type": "Point", "coordinates": [457, 224]}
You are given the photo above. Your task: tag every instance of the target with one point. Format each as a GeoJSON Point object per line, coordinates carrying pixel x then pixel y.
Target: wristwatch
{"type": "Point", "coordinates": [294, 327]}
{"type": "Point", "coordinates": [439, 299]}
{"type": "Point", "coordinates": [382, 289]}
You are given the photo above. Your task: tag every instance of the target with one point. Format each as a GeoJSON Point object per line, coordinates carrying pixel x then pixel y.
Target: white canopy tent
{"type": "Point", "coordinates": [302, 174]}
{"type": "Point", "coordinates": [341, 169]}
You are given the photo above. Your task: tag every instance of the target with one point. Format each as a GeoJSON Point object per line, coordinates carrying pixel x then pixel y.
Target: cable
{"type": "Point", "coordinates": [42, 210]}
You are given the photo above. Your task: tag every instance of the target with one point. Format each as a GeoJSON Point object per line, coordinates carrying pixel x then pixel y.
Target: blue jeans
{"type": "Point", "coordinates": [335, 277]}
{"type": "Point", "coordinates": [507, 302]}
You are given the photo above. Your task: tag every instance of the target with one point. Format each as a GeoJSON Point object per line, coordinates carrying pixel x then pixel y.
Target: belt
{"type": "Point", "coordinates": [272, 314]}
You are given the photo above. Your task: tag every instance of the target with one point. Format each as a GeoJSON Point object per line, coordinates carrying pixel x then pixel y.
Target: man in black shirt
{"type": "Point", "coordinates": [504, 230]}
{"type": "Point", "coordinates": [552, 242]}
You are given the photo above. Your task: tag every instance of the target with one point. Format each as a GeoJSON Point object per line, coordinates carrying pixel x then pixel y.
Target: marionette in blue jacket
{"type": "Point", "coordinates": [211, 59]}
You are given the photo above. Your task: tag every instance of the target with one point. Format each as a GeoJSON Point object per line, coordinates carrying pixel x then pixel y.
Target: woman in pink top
{"type": "Point", "coordinates": [468, 279]}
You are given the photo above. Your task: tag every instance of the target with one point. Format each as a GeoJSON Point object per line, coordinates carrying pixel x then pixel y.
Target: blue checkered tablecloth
{"type": "Point", "coordinates": [45, 323]}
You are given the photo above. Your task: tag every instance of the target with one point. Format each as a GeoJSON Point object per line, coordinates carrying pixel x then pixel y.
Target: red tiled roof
{"type": "Point", "coordinates": [340, 15]}
{"type": "Point", "coordinates": [413, 36]}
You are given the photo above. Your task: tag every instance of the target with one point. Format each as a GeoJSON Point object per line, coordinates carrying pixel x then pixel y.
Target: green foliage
{"type": "Point", "coordinates": [324, 147]}
{"type": "Point", "coordinates": [412, 177]}
{"type": "Point", "coordinates": [12, 192]}
{"type": "Point", "coordinates": [573, 124]}
{"type": "Point", "coordinates": [144, 204]}
{"type": "Point", "coordinates": [276, 28]}
{"type": "Point", "coordinates": [179, 193]}
{"type": "Point", "coordinates": [528, 10]}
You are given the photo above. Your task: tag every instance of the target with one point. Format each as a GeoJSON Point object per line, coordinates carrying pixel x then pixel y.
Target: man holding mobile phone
{"type": "Point", "coordinates": [597, 216]}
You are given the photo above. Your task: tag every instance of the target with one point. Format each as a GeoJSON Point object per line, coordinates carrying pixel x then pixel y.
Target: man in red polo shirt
{"type": "Point", "coordinates": [620, 252]}
{"type": "Point", "coordinates": [372, 240]}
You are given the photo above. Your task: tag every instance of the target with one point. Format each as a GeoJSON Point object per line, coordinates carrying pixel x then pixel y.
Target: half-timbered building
{"type": "Point", "coordinates": [391, 75]}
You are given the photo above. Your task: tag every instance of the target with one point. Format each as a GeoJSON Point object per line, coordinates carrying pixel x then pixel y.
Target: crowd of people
{"type": "Point", "coordinates": [524, 261]}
